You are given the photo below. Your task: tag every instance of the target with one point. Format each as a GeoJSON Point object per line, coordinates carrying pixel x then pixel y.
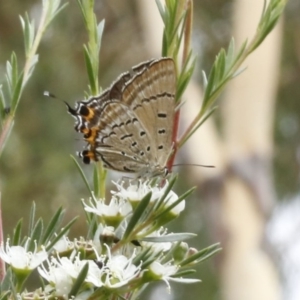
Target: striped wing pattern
{"type": "Point", "coordinates": [129, 126]}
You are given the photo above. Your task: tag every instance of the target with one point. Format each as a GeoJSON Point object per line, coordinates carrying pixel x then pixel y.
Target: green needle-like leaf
{"type": "Point", "coordinates": [36, 234]}
{"type": "Point", "coordinates": [173, 237]}
{"type": "Point", "coordinates": [31, 218]}
{"type": "Point", "coordinates": [201, 255]}
{"type": "Point", "coordinates": [89, 68]}
{"type": "Point", "coordinates": [79, 281]}
{"type": "Point", "coordinates": [17, 233]}
{"type": "Point", "coordinates": [61, 234]}
{"type": "Point", "coordinates": [53, 225]}
{"type": "Point", "coordinates": [82, 175]}
{"type": "Point", "coordinates": [137, 215]}
{"type": "Point", "coordinates": [166, 192]}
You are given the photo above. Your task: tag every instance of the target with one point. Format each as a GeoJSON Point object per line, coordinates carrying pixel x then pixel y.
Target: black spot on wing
{"type": "Point", "coordinates": [161, 115]}
{"type": "Point", "coordinates": [126, 136]}
{"type": "Point", "coordinates": [155, 97]}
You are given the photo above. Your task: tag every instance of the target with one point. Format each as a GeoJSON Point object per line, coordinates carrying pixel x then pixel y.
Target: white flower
{"type": "Point", "coordinates": [58, 275]}
{"type": "Point", "coordinates": [136, 191]}
{"type": "Point", "coordinates": [62, 272]}
{"type": "Point", "coordinates": [83, 296]}
{"type": "Point", "coordinates": [59, 279]}
{"type": "Point", "coordinates": [35, 295]}
{"type": "Point", "coordinates": [63, 245]}
{"type": "Point", "coordinates": [20, 258]}
{"type": "Point", "coordinates": [165, 272]}
{"type": "Point", "coordinates": [115, 208]}
{"type": "Point", "coordinates": [119, 270]}
{"type": "Point", "coordinates": [95, 272]}
{"type": "Point", "coordinates": [170, 199]}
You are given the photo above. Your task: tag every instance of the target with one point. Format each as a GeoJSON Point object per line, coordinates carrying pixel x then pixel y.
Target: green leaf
{"type": "Point", "coordinates": [148, 262]}
{"type": "Point", "coordinates": [5, 295]}
{"type": "Point", "coordinates": [36, 234]}
{"type": "Point", "coordinates": [54, 11]}
{"type": "Point", "coordinates": [82, 8]}
{"type": "Point", "coordinates": [7, 283]}
{"type": "Point", "coordinates": [164, 51]}
{"type": "Point", "coordinates": [79, 281]}
{"type": "Point", "coordinates": [31, 218]}
{"type": "Point", "coordinates": [160, 9]}
{"type": "Point", "coordinates": [92, 221]}
{"type": "Point", "coordinates": [170, 254]}
{"type": "Point", "coordinates": [82, 175]}
{"type": "Point", "coordinates": [195, 128]}
{"type": "Point", "coordinates": [17, 233]}
{"type": "Point", "coordinates": [173, 237]}
{"type": "Point", "coordinates": [28, 33]}
{"type": "Point", "coordinates": [96, 178]}
{"type": "Point", "coordinates": [230, 53]}
{"type": "Point", "coordinates": [2, 104]}
{"type": "Point", "coordinates": [209, 87]}
{"type": "Point", "coordinates": [14, 69]}
{"type": "Point", "coordinates": [159, 203]}
{"type": "Point", "coordinates": [221, 66]}
{"type": "Point", "coordinates": [100, 29]}
{"type": "Point", "coordinates": [89, 67]}
{"type": "Point", "coordinates": [142, 256]}
{"type": "Point", "coordinates": [17, 93]}
{"type": "Point", "coordinates": [184, 80]}
{"type": "Point", "coordinates": [179, 36]}
{"type": "Point", "coordinates": [61, 233]}
{"type": "Point", "coordinates": [137, 215]}
{"type": "Point", "coordinates": [8, 76]}
{"type": "Point", "coordinates": [205, 81]}
{"type": "Point", "coordinates": [201, 255]}
{"type": "Point", "coordinates": [53, 225]}
{"type": "Point", "coordinates": [184, 273]}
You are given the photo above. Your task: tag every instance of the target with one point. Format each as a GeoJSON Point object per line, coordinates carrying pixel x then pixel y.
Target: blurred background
{"type": "Point", "coordinates": [249, 202]}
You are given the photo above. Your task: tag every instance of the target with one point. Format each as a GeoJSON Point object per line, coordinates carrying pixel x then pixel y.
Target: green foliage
{"type": "Point", "coordinates": [136, 217]}
{"type": "Point", "coordinates": [15, 79]}
{"type": "Point", "coordinates": [141, 231]}
{"type": "Point", "coordinates": [226, 65]}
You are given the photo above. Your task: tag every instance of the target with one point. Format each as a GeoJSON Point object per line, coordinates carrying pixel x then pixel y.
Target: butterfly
{"type": "Point", "coordinates": [129, 126]}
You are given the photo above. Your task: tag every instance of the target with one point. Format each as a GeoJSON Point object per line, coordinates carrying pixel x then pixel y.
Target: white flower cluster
{"type": "Point", "coordinates": [116, 261]}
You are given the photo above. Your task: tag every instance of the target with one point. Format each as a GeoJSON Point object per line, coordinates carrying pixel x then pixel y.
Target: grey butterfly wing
{"type": "Point", "coordinates": [151, 96]}
{"type": "Point", "coordinates": [120, 141]}
{"type": "Point", "coordinates": [129, 126]}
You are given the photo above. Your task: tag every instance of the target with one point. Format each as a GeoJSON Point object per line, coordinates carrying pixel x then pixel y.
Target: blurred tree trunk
{"type": "Point", "coordinates": [248, 195]}
{"type": "Point", "coordinates": [239, 190]}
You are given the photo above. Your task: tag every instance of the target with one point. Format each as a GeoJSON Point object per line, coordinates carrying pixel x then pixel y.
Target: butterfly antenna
{"type": "Point", "coordinates": [194, 165]}
{"type": "Point", "coordinates": [71, 110]}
